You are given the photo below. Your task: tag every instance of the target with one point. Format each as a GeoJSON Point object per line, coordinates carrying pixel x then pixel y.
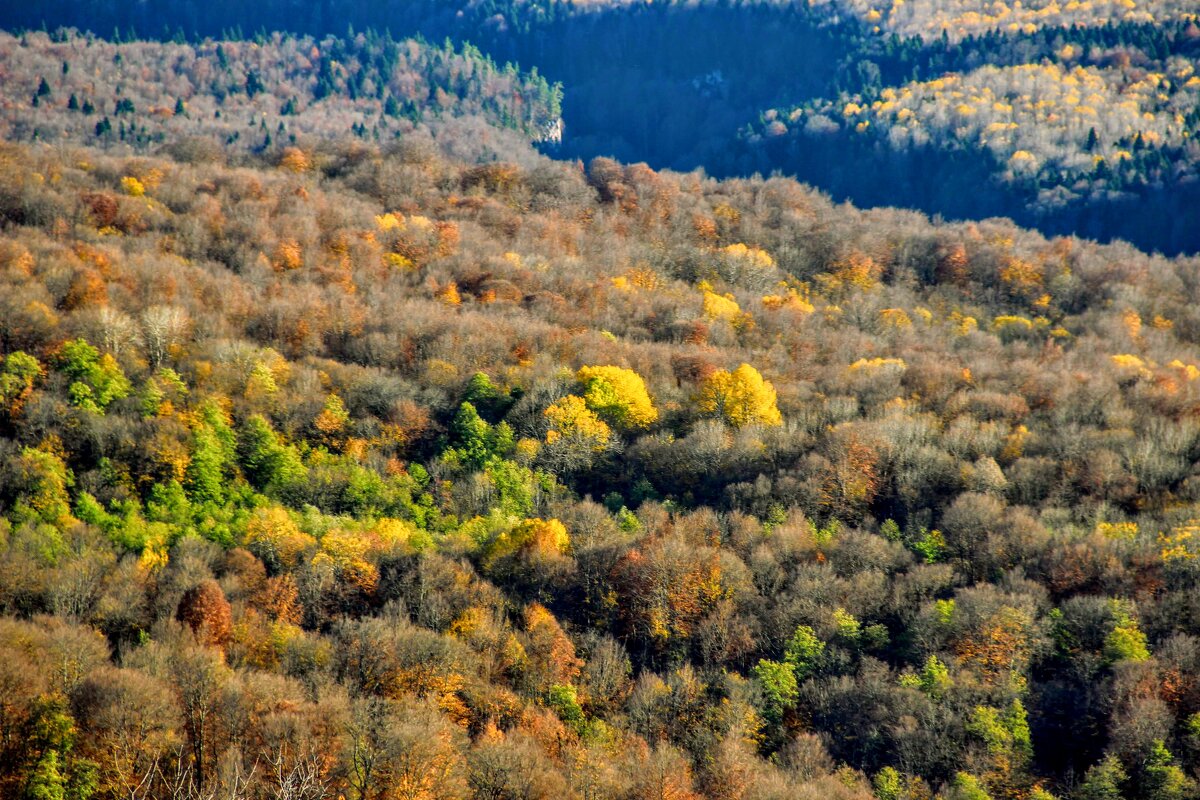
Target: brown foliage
{"type": "Point", "coordinates": [204, 609]}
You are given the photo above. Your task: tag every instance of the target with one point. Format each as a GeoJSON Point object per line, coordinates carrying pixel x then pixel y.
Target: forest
{"type": "Point", "coordinates": [249, 95]}
{"type": "Point", "coordinates": [355, 469]}
{"type": "Point", "coordinates": [366, 436]}
{"type": "Point", "coordinates": [739, 87]}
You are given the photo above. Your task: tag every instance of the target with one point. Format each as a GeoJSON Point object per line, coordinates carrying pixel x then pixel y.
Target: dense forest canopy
{"type": "Point", "coordinates": [367, 433]}
{"type": "Point", "coordinates": [959, 18]}
{"type": "Point", "coordinates": [247, 95]}
{"type": "Point", "coordinates": [355, 469]}
{"type": "Point", "coordinates": [742, 87]}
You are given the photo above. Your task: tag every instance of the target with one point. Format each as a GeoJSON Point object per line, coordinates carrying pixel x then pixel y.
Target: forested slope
{"type": "Point", "coordinates": [959, 18]}
{"type": "Point", "coordinates": [1084, 130]}
{"type": "Point", "coordinates": [353, 470]}
{"type": "Point", "coordinates": [744, 87]}
{"type": "Point", "coordinates": [248, 95]}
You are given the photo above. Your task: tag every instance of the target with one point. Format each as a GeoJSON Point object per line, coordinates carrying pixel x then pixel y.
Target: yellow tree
{"type": "Point", "coordinates": [617, 394]}
{"type": "Point", "coordinates": [571, 418]}
{"type": "Point", "coordinates": [721, 307]}
{"type": "Point", "coordinates": [544, 537]}
{"type": "Point", "coordinates": [274, 537]}
{"type": "Point", "coordinates": [333, 420]}
{"type": "Point", "coordinates": [741, 397]}
{"type": "Point", "coordinates": [575, 436]}
{"type": "Point", "coordinates": [551, 654]}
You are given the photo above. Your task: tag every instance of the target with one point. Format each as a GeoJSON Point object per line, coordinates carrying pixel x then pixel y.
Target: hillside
{"type": "Point", "coordinates": [504, 419]}
{"type": "Point", "coordinates": [960, 18]}
{"type": "Point", "coordinates": [359, 471]}
{"type": "Point", "coordinates": [252, 94]}
{"type": "Point", "coordinates": [744, 87]}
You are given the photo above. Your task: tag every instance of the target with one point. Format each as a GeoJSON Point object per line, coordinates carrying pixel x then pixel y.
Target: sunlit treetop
{"type": "Point", "coordinates": [617, 394]}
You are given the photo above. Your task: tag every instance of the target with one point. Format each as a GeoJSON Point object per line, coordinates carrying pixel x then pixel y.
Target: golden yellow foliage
{"type": "Point", "coordinates": [1014, 443]}
{"type": "Point", "coordinates": [526, 450]}
{"type": "Point", "coordinates": [1132, 322]}
{"type": "Point", "coordinates": [753, 256]}
{"type": "Point", "coordinates": [542, 538]}
{"type": "Point", "coordinates": [721, 307]}
{"type": "Point", "coordinates": [132, 186]}
{"type": "Point", "coordinates": [877, 363]}
{"type": "Point", "coordinates": [571, 418]}
{"type": "Point", "coordinates": [857, 269]}
{"type": "Point", "coordinates": [963, 324]}
{"type": "Point", "coordinates": [1190, 371]}
{"type": "Point", "coordinates": [347, 551]}
{"type": "Point", "coordinates": [1130, 363]}
{"type": "Point", "coordinates": [392, 532]}
{"type": "Point", "coordinates": [152, 559]}
{"type": "Point", "coordinates": [638, 278]}
{"type": "Point", "coordinates": [390, 221]}
{"type": "Point", "coordinates": [1006, 322]}
{"type": "Point", "coordinates": [793, 300]}
{"type": "Point", "coordinates": [1117, 530]}
{"type": "Point", "coordinates": [151, 178]}
{"type": "Point", "coordinates": [895, 318]}
{"type": "Point", "coordinates": [644, 278]}
{"type": "Point", "coordinates": [1021, 275]}
{"type": "Point", "coordinates": [288, 256]}
{"type": "Point", "coordinates": [1181, 543]}
{"type": "Point", "coordinates": [741, 397]}
{"type": "Point", "coordinates": [397, 261]}
{"type": "Point", "coordinates": [272, 535]}
{"type": "Point", "coordinates": [618, 394]}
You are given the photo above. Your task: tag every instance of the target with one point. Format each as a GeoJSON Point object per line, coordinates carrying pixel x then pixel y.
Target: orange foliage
{"type": "Point", "coordinates": [87, 289]}
{"type": "Point", "coordinates": [288, 256]}
{"type": "Point", "coordinates": [447, 239]}
{"type": "Point", "coordinates": [550, 651]}
{"type": "Point", "coordinates": [1132, 323]}
{"type": "Point", "coordinates": [667, 587]}
{"type": "Point", "coordinates": [857, 269]}
{"type": "Point", "coordinates": [851, 480]}
{"type": "Point", "coordinates": [705, 228]}
{"type": "Point", "coordinates": [1000, 651]}
{"type": "Point", "coordinates": [1023, 278]}
{"type": "Point", "coordinates": [279, 599]}
{"type": "Point", "coordinates": [952, 265]}
{"type": "Point", "coordinates": [295, 160]}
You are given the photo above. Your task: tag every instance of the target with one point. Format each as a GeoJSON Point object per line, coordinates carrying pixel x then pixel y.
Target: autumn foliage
{"type": "Point", "coordinates": [741, 397]}
{"type": "Point", "coordinates": [406, 476]}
